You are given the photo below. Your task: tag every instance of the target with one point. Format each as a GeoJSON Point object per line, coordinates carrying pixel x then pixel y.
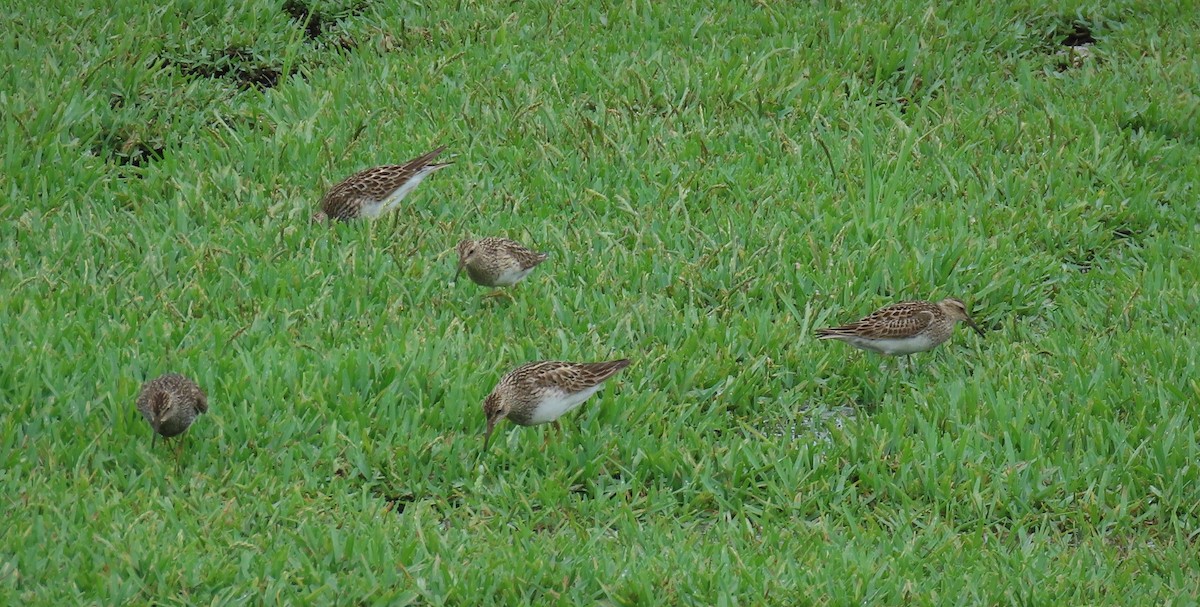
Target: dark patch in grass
{"type": "Point", "coordinates": [1067, 38]}
{"type": "Point", "coordinates": [1084, 263]}
{"type": "Point", "coordinates": [260, 77]}
{"type": "Point", "coordinates": [125, 148]}
{"type": "Point", "coordinates": [395, 502]}
{"type": "Point", "coordinates": [313, 22]}
{"type": "Point", "coordinates": [1080, 35]}
{"type": "Point", "coordinates": [904, 93]}
{"type": "Point", "coordinates": [1171, 132]}
{"type": "Point", "coordinates": [405, 39]}
{"type": "Point", "coordinates": [346, 43]}
{"type": "Point", "coordinates": [1123, 234]}
{"type": "Point", "coordinates": [316, 23]}
{"type": "Point", "coordinates": [1063, 31]}
{"type": "Point", "coordinates": [139, 153]}
{"type": "Point", "coordinates": [233, 63]}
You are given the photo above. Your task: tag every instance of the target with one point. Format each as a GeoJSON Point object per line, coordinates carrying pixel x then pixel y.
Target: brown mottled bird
{"type": "Point", "coordinates": [541, 392]}
{"type": "Point", "coordinates": [496, 262]}
{"type": "Point", "coordinates": [375, 191]}
{"type": "Point", "coordinates": [904, 328]}
{"type": "Point", "coordinates": [171, 403]}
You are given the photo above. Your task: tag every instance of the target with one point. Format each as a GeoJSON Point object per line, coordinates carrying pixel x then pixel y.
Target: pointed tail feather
{"type": "Point", "coordinates": [832, 333]}
{"type": "Point", "coordinates": [605, 370]}
{"type": "Point", "coordinates": [421, 161]}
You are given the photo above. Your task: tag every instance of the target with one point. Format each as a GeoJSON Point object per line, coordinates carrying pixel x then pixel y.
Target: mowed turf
{"type": "Point", "coordinates": [713, 181]}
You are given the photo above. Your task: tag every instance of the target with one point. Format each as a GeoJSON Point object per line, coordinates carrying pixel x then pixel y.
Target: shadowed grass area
{"type": "Point", "coordinates": [713, 182]}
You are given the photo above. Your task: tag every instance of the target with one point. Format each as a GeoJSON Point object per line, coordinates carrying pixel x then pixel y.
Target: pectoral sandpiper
{"type": "Point", "coordinates": [170, 403]}
{"type": "Point", "coordinates": [496, 262]}
{"type": "Point", "coordinates": [904, 328]}
{"type": "Point", "coordinates": [541, 392]}
{"type": "Point", "coordinates": [375, 191]}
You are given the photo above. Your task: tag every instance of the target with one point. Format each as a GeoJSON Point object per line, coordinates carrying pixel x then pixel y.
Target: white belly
{"type": "Point", "coordinates": [558, 402]}
{"type": "Point", "coordinates": [894, 347]}
{"type": "Point", "coordinates": [375, 209]}
{"type": "Point", "coordinates": [511, 276]}
{"type": "Point", "coordinates": [371, 210]}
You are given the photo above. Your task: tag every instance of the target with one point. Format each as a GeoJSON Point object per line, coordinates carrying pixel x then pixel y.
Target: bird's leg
{"type": "Point", "coordinates": [153, 441]}
{"type": "Point", "coordinates": [912, 366]}
{"type": "Point", "coordinates": [499, 293]}
{"type": "Point", "coordinates": [887, 378]}
{"type": "Point", "coordinates": [546, 436]}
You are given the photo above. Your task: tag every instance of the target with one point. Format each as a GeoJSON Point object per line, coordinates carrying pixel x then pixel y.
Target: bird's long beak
{"type": "Point", "coordinates": [974, 326]}
{"type": "Point", "coordinates": [461, 263]}
{"type": "Point", "coordinates": [487, 435]}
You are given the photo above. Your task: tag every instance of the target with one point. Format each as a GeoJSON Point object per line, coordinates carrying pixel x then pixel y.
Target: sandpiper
{"type": "Point", "coordinates": [904, 328]}
{"type": "Point", "coordinates": [375, 191]}
{"type": "Point", "coordinates": [541, 392]}
{"type": "Point", "coordinates": [496, 262]}
{"type": "Point", "coordinates": [171, 403]}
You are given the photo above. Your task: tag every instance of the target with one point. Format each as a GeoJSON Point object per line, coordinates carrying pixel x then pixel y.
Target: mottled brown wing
{"type": "Point", "coordinates": [897, 320]}
{"type": "Point", "coordinates": [525, 257]}
{"type": "Point", "coordinates": [529, 374]}
{"type": "Point", "coordinates": [157, 393]}
{"type": "Point", "coordinates": [381, 183]}
{"type": "Point", "coordinates": [575, 377]}
{"type": "Point", "coordinates": [344, 200]}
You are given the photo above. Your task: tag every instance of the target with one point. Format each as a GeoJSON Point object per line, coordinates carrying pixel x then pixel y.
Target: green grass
{"type": "Point", "coordinates": [714, 181]}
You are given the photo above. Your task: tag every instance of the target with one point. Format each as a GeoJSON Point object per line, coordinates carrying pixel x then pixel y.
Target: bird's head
{"type": "Point", "coordinates": [466, 251]}
{"type": "Point", "coordinates": [160, 406]}
{"type": "Point", "coordinates": [956, 309]}
{"type": "Point", "coordinates": [495, 409]}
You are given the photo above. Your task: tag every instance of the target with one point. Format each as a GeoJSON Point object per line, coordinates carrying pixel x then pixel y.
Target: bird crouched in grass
{"type": "Point", "coordinates": [904, 328]}
{"type": "Point", "coordinates": [496, 262]}
{"type": "Point", "coordinates": [375, 191]}
{"type": "Point", "coordinates": [170, 403]}
{"type": "Point", "coordinates": [541, 392]}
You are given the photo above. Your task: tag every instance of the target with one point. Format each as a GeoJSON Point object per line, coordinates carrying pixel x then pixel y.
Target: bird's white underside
{"type": "Point", "coordinates": [557, 402]}
{"type": "Point", "coordinates": [890, 346]}
{"type": "Point", "coordinates": [511, 277]}
{"type": "Point", "coordinates": [375, 209]}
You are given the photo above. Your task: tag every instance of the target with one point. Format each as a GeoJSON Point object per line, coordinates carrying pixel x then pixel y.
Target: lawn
{"type": "Point", "coordinates": [713, 182]}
